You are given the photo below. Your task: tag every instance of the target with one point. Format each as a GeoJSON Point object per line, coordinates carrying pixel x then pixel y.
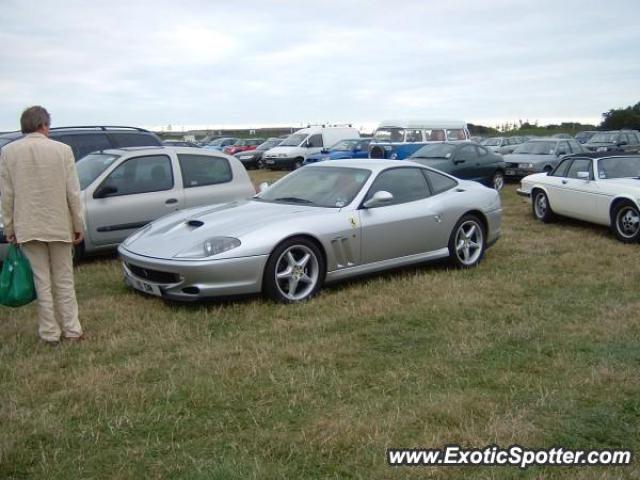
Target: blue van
{"type": "Point", "coordinates": [396, 140]}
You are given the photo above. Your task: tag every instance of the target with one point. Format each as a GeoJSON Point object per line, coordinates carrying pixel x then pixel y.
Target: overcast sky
{"type": "Point", "coordinates": [155, 63]}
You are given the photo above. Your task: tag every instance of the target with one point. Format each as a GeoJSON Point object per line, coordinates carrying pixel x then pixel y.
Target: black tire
{"type": "Point", "coordinates": [298, 163]}
{"type": "Point", "coordinates": [314, 270]}
{"type": "Point", "coordinates": [625, 222]}
{"type": "Point", "coordinates": [497, 181]}
{"type": "Point", "coordinates": [541, 208]}
{"type": "Point", "coordinates": [467, 242]}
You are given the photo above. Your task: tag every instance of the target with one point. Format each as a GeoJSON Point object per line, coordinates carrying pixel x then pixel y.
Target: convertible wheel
{"type": "Point", "coordinates": [497, 181]}
{"type": "Point", "coordinates": [295, 271]}
{"type": "Point", "coordinates": [541, 208]}
{"type": "Point", "coordinates": [467, 245]}
{"type": "Point", "coordinates": [625, 222]}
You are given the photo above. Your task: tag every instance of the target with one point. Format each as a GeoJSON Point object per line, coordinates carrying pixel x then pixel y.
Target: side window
{"type": "Point", "coordinates": [134, 139]}
{"type": "Point", "coordinates": [563, 147]}
{"type": "Point", "coordinates": [141, 175]}
{"type": "Point", "coordinates": [579, 165]}
{"type": "Point", "coordinates": [466, 153]}
{"type": "Point", "coordinates": [413, 136]}
{"type": "Point", "coordinates": [436, 136]}
{"type": "Point", "coordinates": [561, 169]}
{"type": "Point", "coordinates": [456, 134]}
{"type": "Point", "coordinates": [85, 144]}
{"type": "Point", "coordinates": [482, 152]}
{"type": "Point", "coordinates": [575, 146]}
{"type": "Point", "coordinates": [315, 141]}
{"type": "Point", "coordinates": [405, 184]}
{"type": "Point", "coordinates": [200, 170]}
{"type": "Point", "coordinates": [440, 183]}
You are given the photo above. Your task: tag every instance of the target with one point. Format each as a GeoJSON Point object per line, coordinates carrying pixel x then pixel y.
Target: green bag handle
{"type": "Point", "coordinates": [16, 279]}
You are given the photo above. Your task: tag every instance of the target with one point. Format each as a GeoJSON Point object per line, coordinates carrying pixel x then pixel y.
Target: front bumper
{"type": "Point", "coordinates": [520, 172]}
{"type": "Point", "coordinates": [193, 280]}
{"type": "Point", "coordinates": [523, 193]}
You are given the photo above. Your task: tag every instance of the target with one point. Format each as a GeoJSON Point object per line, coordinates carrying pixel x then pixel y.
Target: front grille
{"type": "Point", "coordinates": [512, 165]}
{"type": "Point", "coordinates": [153, 275]}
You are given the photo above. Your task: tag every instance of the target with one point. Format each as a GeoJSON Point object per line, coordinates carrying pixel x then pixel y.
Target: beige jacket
{"type": "Point", "coordinates": [40, 190]}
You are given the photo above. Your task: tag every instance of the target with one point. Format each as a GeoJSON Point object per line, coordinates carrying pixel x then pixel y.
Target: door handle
{"type": "Point", "coordinates": [564, 182]}
{"type": "Point", "coordinates": [171, 201]}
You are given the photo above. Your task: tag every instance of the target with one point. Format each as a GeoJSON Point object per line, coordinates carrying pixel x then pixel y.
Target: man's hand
{"type": "Point", "coordinates": [78, 237]}
{"type": "Point", "coordinates": [12, 239]}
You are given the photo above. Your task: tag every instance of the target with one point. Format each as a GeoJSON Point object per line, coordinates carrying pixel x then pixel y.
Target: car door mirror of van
{"type": "Point", "coordinates": [105, 191]}
{"type": "Point", "coordinates": [379, 198]}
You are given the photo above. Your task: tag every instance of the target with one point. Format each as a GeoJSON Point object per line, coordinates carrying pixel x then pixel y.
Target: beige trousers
{"type": "Point", "coordinates": [52, 265]}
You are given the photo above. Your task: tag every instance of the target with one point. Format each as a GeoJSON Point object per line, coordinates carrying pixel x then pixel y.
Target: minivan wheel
{"type": "Point", "coordinates": [625, 222]}
{"type": "Point", "coordinates": [467, 242]}
{"type": "Point", "coordinates": [295, 271]}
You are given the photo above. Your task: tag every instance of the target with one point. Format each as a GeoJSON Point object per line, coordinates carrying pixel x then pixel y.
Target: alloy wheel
{"type": "Point", "coordinates": [469, 242]}
{"type": "Point", "coordinates": [297, 272]}
{"type": "Point", "coordinates": [628, 221]}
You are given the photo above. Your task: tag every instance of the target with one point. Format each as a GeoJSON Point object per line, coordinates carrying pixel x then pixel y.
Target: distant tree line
{"type": "Point", "coordinates": [619, 118]}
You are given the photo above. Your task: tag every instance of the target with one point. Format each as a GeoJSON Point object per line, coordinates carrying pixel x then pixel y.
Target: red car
{"type": "Point", "coordinates": [242, 145]}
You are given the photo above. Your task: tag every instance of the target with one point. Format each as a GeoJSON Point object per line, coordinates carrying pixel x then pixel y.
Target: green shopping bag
{"type": "Point", "coordinates": [16, 279]}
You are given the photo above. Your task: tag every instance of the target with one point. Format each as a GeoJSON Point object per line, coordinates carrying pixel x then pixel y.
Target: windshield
{"type": "Point", "coordinates": [329, 187]}
{"type": "Point", "coordinates": [619, 167]}
{"type": "Point", "coordinates": [345, 145]}
{"type": "Point", "coordinates": [536, 148]}
{"type": "Point", "coordinates": [604, 138]}
{"type": "Point", "coordinates": [268, 144]}
{"type": "Point", "coordinates": [491, 142]}
{"type": "Point", "coordinates": [293, 140]}
{"type": "Point", "coordinates": [389, 135]}
{"type": "Point", "coordinates": [436, 150]}
{"type": "Point", "coordinates": [91, 167]}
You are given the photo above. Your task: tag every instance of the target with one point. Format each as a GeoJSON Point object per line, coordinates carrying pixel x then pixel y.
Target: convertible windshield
{"type": "Point", "coordinates": [346, 145]}
{"type": "Point", "coordinates": [436, 150]}
{"type": "Point", "coordinates": [389, 135]}
{"type": "Point", "coordinates": [491, 142]}
{"type": "Point", "coordinates": [619, 167]}
{"type": "Point", "coordinates": [329, 187]}
{"type": "Point", "coordinates": [604, 138]}
{"type": "Point", "coordinates": [293, 140]}
{"type": "Point", "coordinates": [91, 167]}
{"type": "Point", "coordinates": [536, 148]}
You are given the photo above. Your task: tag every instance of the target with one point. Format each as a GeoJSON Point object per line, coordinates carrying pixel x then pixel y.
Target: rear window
{"type": "Point", "coordinates": [140, 139]}
{"type": "Point", "coordinates": [83, 144]}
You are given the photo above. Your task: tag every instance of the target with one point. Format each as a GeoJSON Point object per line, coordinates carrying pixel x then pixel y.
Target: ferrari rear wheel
{"type": "Point", "coordinates": [626, 222]}
{"type": "Point", "coordinates": [294, 272]}
{"type": "Point", "coordinates": [467, 242]}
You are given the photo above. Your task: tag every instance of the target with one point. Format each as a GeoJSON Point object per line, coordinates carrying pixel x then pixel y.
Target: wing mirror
{"type": "Point", "coordinates": [105, 191]}
{"type": "Point", "coordinates": [458, 161]}
{"type": "Point", "coordinates": [263, 186]}
{"type": "Point", "coordinates": [584, 175]}
{"type": "Point", "coordinates": [561, 153]}
{"type": "Point", "coordinates": [379, 198]}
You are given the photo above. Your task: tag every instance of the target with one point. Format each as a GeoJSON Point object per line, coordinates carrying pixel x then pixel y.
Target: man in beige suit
{"type": "Point", "coordinates": [42, 213]}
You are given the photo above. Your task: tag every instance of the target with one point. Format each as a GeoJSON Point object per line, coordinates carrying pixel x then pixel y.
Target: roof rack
{"type": "Point", "coordinates": [101, 127]}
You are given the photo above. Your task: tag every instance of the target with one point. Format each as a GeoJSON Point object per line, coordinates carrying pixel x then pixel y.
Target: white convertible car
{"type": "Point", "coordinates": [602, 188]}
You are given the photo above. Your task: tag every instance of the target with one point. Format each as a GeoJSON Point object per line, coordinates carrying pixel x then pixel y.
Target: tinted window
{"type": "Point", "coordinates": [85, 144]}
{"type": "Point", "coordinates": [405, 184]}
{"type": "Point", "coordinates": [413, 136]}
{"type": "Point", "coordinates": [200, 170]}
{"type": "Point", "coordinates": [315, 141]}
{"type": "Point", "coordinates": [142, 175]}
{"type": "Point", "coordinates": [579, 165]}
{"type": "Point", "coordinates": [561, 169]}
{"type": "Point", "coordinates": [440, 183]}
{"type": "Point", "coordinates": [467, 154]}
{"type": "Point", "coordinates": [134, 139]}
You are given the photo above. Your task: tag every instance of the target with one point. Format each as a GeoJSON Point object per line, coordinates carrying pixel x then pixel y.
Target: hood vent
{"type": "Point", "coordinates": [195, 223]}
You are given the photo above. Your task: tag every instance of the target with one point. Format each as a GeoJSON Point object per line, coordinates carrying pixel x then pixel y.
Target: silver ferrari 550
{"type": "Point", "coordinates": [322, 223]}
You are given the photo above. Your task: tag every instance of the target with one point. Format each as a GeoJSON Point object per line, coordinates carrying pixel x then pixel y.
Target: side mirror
{"type": "Point", "coordinates": [559, 153]}
{"type": "Point", "coordinates": [584, 175]}
{"type": "Point", "coordinates": [263, 186]}
{"type": "Point", "coordinates": [105, 191]}
{"type": "Point", "coordinates": [379, 198]}
{"type": "Point", "coordinates": [458, 161]}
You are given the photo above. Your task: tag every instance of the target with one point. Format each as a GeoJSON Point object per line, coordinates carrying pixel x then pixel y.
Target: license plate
{"type": "Point", "coordinates": [270, 162]}
{"type": "Point", "coordinates": [145, 287]}
{"type": "Point", "coordinates": [511, 172]}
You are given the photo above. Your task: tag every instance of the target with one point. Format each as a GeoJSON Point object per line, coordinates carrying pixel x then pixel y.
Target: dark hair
{"type": "Point", "coordinates": [34, 118]}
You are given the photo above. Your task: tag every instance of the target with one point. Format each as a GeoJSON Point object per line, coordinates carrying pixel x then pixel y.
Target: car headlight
{"type": "Point", "coordinates": [210, 247]}
{"type": "Point", "coordinates": [526, 165]}
{"type": "Point", "coordinates": [136, 235]}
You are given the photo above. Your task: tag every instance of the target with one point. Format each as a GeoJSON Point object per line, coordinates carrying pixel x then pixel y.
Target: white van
{"type": "Point", "coordinates": [295, 149]}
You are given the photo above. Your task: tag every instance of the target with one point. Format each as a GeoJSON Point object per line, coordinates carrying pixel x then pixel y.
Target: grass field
{"type": "Point", "coordinates": [538, 346]}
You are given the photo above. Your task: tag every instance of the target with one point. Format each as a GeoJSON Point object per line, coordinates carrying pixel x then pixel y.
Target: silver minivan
{"type": "Point", "coordinates": [125, 189]}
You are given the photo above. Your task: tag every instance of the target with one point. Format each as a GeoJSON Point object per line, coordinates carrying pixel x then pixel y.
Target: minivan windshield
{"type": "Point", "coordinates": [91, 167]}
{"type": "Point", "coordinates": [293, 140]}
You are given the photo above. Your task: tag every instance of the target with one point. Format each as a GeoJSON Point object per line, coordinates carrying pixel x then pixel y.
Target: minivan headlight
{"type": "Point", "coordinates": [210, 247]}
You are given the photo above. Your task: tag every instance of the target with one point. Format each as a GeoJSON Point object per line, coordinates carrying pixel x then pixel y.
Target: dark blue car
{"type": "Point", "coordinates": [350, 148]}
